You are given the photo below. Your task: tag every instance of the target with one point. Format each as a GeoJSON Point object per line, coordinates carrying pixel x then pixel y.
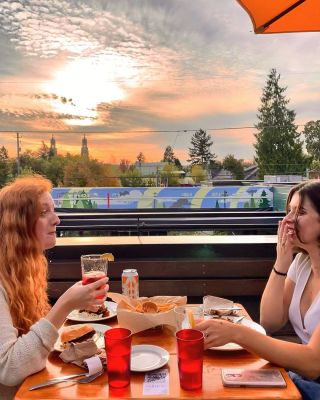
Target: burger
{"type": "Point", "coordinates": [77, 334]}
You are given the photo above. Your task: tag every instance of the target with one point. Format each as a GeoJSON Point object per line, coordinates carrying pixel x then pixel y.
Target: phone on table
{"type": "Point", "coordinates": [235, 377]}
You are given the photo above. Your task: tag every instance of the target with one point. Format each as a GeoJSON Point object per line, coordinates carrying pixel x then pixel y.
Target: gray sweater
{"type": "Point", "coordinates": [24, 355]}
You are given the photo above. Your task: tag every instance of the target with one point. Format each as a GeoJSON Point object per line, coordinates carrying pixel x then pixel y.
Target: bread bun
{"type": "Point", "coordinates": [74, 332]}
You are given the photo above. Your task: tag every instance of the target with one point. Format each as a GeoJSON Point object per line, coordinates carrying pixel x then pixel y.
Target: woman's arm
{"type": "Point", "coordinates": [78, 297]}
{"type": "Point", "coordinates": [275, 301]}
{"type": "Point", "coordinates": [276, 298]}
{"type": "Point", "coordinates": [303, 359]}
{"type": "Point", "coordinates": [24, 355]}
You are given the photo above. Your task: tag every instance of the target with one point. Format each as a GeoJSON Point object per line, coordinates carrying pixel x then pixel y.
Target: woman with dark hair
{"type": "Point", "coordinates": [292, 293]}
{"type": "Point", "coordinates": [28, 325]}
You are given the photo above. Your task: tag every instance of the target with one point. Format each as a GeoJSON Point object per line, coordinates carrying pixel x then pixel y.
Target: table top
{"type": "Point", "coordinates": [212, 388]}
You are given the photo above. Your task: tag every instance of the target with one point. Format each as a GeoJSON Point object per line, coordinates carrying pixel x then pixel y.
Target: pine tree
{"type": "Point", "coordinates": [5, 166]}
{"type": "Point", "coordinates": [312, 134]}
{"type": "Point", "coordinates": [200, 153]}
{"type": "Point", "coordinates": [168, 155]}
{"type": "Point", "coordinates": [278, 146]}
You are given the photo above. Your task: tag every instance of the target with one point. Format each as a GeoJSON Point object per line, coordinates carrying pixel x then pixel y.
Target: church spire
{"type": "Point", "coordinates": [53, 149]}
{"type": "Point", "coordinates": [84, 147]}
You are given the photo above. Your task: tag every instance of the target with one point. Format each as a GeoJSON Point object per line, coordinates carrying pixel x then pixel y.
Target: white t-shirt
{"type": "Point", "coordinates": [299, 273]}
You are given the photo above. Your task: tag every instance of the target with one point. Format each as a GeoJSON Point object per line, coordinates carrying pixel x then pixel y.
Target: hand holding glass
{"type": "Point", "coordinates": [187, 316]}
{"type": "Point", "coordinates": [94, 267]}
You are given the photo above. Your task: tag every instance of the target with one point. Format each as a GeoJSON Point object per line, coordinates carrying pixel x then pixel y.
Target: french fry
{"type": "Point", "coordinates": [191, 319]}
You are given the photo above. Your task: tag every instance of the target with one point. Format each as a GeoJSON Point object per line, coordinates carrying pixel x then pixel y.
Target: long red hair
{"type": "Point", "coordinates": [23, 266]}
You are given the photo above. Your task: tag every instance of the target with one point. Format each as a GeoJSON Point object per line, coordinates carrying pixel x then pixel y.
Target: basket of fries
{"type": "Point", "coordinates": [146, 312]}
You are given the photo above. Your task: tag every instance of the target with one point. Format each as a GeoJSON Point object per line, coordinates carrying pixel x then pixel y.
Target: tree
{"type": "Point", "coordinates": [5, 166]}
{"type": "Point", "coordinates": [312, 135]}
{"type": "Point", "coordinates": [234, 166]}
{"type": "Point", "coordinates": [170, 175]}
{"type": "Point", "coordinates": [54, 169]}
{"type": "Point", "coordinates": [124, 165]}
{"type": "Point", "coordinates": [200, 153]}
{"type": "Point", "coordinates": [132, 178]}
{"type": "Point", "coordinates": [43, 151]}
{"type": "Point", "coordinates": [264, 202]}
{"type": "Point", "coordinates": [141, 158]}
{"type": "Point", "coordinates": [168, 155]}
{"type": "Point", "coordinates": [278, 146]}
{"type": "Point", "coordinates": [198, 173]}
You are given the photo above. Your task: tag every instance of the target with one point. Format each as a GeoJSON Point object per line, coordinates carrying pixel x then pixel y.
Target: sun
{"type": "Point", "coordinates": [85, 83]}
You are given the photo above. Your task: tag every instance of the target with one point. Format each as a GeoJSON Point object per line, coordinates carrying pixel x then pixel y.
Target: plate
{"type": "Point", "coordinates": [84, 316]}
{"type": "Point", "coordinates": [233, 346]}
{"type": "Point", "coordinates": [98, 337]}
{"type": "Point", "coordinates": [145, 357]}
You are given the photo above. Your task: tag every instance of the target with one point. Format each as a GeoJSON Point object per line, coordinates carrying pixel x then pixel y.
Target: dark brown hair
{"type": "Point", "coordinates": [309, 189]}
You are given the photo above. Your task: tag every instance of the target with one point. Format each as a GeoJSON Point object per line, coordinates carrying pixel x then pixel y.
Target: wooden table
{"type": "Point", "coordinates": [212, 388]}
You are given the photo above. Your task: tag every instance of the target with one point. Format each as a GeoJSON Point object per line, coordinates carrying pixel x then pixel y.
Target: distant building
{"type": "Point", "coordinates": [251, 173]}
{"type": "Point", "coordinates": [149, 169]}
{"type": "Point", "coordinates": [53, 149]}
{"type": "Point", "coordinates": [282, 178]}
{"type": "Point", "coordinates": [84, 147]}
{"type": "Point", "coordinates": [313, 174]}
{"type": "Point", "coordinates": [222, 174]}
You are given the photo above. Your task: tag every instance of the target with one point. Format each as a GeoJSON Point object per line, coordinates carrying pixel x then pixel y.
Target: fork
{"type": "Point", "coordinates": [85, 379]}
{"type": "Point", "coordinates": [238, 319]}
{"type": "Point", "coordinates": [89, 378]}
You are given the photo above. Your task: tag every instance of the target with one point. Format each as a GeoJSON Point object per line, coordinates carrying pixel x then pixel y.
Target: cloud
{"type": "Point", "coordinates": [123, 66]}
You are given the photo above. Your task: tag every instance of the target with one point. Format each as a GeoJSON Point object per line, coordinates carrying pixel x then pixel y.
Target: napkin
{"type": "Point", "coordinates": [215, 303]}
{"type": "Point", "coordinates": [79, 353]}
{"type": "Point", "coordinates": [132, 313]}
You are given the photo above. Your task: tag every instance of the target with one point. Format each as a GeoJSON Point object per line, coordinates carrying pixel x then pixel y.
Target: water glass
{"type": "Point", "coordinates": [118, 351]}
{"type": "Point", "coordinates": [187, 316]}
{"type": "Point", "coordinates": [190, 358]}
{"type": "Point", "coordinates": [93, 267]}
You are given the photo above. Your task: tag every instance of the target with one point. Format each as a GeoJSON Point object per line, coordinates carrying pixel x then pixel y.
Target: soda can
{"type": "Point", "coordinates": [130, 283]}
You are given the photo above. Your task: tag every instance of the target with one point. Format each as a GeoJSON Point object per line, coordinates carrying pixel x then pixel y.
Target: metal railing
{"type": "Point", "coordinates": [145, 222]}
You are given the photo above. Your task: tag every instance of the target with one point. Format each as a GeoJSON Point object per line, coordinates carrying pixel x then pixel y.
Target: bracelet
{"type": "Point", "coordinates": [279, 273]}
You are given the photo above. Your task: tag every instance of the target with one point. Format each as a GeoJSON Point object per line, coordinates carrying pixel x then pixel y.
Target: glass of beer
{"type": "Point", "coordinates": [187, 316]}
{"type": "Point", "coordinates": [94, 267]}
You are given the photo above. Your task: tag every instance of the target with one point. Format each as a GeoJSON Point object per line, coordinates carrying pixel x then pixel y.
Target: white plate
{"type": "Point", "coordinates": [76, 316]}
{"type": "Point", "coordinates": [98, 337]}
{"type": "Point", "coordinates": [145, 357]}
{"type": "Point", "coordinates": [233, 346]}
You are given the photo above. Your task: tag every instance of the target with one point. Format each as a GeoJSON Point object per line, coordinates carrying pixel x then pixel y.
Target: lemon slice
{"type": "Point", "coordinates": [108, 256]}
{"type": "Point", "coordinates": [191, 319]}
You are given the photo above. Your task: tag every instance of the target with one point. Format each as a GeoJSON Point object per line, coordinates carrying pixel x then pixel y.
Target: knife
{"type": "Point", "coordinates": [56, 380]}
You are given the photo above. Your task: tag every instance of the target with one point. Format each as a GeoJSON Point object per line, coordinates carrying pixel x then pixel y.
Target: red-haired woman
{"type": "Point", "coordinates": [292, 293]}
{"type": "Point", "coordinates": [28, 325]}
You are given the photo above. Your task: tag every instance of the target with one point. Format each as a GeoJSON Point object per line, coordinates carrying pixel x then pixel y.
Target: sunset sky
{"type": "Point", "coordinates": [134, 75]}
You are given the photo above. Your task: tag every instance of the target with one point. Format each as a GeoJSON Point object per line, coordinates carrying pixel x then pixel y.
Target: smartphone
{"type": "Point", "coordinates": [235, 377]}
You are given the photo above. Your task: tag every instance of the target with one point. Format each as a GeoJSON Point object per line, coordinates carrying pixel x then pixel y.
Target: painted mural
{"type": "Point", "coordinates": [168, 197]}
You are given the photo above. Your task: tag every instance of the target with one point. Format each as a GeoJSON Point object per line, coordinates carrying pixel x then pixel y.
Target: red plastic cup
{"type": "Point", "coordinates": [190, 358]}
{"type": "Point", "coordinates": [118, 351]}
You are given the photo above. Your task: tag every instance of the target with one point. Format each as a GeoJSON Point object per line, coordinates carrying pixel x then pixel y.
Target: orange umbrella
{"type": "Point", "coordinates": [281, 16]}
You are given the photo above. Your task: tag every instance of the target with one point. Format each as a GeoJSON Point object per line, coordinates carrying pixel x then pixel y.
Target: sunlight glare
{"type": "Point", "coordinates": [86, 83]}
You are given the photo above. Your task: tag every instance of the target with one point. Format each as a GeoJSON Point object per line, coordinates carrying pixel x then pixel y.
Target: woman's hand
{"type": "Point", "coordinates": [217, 332]}
{"type": "Point", "coordinates": [285, 245]}
{"type": "Point", "coordinates": [88, 297]}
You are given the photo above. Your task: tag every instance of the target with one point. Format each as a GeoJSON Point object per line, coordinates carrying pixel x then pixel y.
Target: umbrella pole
{"type": "Point", "coordinates": [263, 27]}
